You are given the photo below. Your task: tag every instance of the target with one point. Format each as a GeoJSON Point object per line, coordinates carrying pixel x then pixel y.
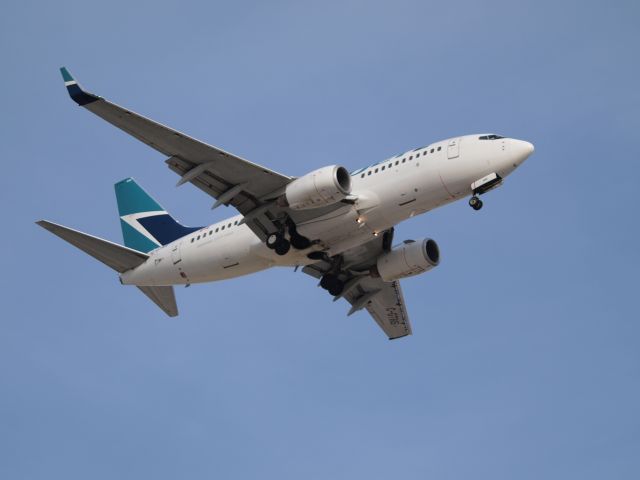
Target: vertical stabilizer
{"type": "Point", "coordinates": [145, 224]}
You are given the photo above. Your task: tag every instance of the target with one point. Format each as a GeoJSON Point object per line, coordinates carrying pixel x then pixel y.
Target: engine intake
{"type": "Point", "coordinates": [410, 258]}
{"type": "Point", "coordinates": [322, 187]}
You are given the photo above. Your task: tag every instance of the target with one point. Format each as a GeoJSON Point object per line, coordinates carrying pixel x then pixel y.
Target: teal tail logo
{"type": "Point", "coordinates": [145, 224]}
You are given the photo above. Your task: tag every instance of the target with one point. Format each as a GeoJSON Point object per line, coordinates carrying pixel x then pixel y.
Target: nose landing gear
{"type": "Point", "coordinates": [475, 203]}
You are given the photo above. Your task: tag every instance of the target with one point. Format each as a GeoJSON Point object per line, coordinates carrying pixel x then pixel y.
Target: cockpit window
{"type": "Point", "coordinates": [490, 137]}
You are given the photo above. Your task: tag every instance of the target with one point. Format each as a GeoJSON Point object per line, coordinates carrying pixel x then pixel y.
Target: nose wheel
{"type": "Point", "coordinates": [475, 203]}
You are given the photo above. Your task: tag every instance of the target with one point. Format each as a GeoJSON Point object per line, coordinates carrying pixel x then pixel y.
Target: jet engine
{"type": "Point", "coordinates": [322, 187]}
{"type": "Point", "coordinates": [410, 258]}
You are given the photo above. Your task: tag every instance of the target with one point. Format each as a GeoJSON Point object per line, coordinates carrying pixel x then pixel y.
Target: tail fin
{"type": "Point", "coordinates": [145, 224]}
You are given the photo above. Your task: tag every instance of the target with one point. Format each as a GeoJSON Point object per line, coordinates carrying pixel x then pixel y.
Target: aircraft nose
{"type": "Point", "coordinates": [521, 150]}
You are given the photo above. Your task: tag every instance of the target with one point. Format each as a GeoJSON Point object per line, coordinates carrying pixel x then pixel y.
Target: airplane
{"type": "Point", "coordinates": [336, 225]}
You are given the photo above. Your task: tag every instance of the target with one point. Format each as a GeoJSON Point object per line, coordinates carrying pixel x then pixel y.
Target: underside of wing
{"type": "Point", "coordinates": [229, 179]}
{"type": "Point", "coordinates": [383, 300]}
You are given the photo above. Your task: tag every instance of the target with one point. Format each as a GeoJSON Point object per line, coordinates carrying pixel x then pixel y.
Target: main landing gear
{"type": "Point", "coordinates": [279, 243]}
{"type": "Point", "coordinates": [332, 284]}
{"type": "Point", "coordinates": [298, 241]}
{"type": "Point", "coordinates": [475, 203]}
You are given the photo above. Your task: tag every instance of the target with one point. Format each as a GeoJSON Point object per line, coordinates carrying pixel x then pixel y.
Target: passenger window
{"type": "Point", "coordinates": [411, 157]}
{"type": "Point", "coordinates": [383, 167]}
{"type": "Point", "coordinates": [404, 160]}
{"type": "Point", "coordinates": [198, 237]}
{"type": "Point", "coordinates": [390, 165]}
{"type": "Point", "coordinates": [217, 229]}
{"type": "Point", "coordinates": [222, 227]}
{"type": "Point", "coordinates": [362, 176]}
{"type": "Point", "coordinates": [192, 239]}
{"type": "Point", "coordinates": [439, 148]}
{"type": "Point", "coordinates": [433, 150]}
{"type": "Point", "coordinates": [376, 170]}
{"type": "Point", "coordinates": [369, 172]}
{"type": "Point", "coordinates": [397, 162]}
{"type": "Point", "coordinates": [236, 222]}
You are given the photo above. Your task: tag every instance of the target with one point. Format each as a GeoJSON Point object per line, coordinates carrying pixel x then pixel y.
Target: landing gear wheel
{"type": "Point", "coordinates": [299, 242]}
{"type": "Point", "coordinates": [277, 242]}
{"type": "Point", "coordinates": [332, 284]}
{"type": "Point", "coordinates": [272, 240]}
{"type": "Point", "coordinates": [316, 255]}
{"type": "Point", "coordinates": [336, 289]}
{"type": "Point", "coordinates": [282, 246]}
{"type": "Point", "coordinates": [326, 280]}
{"type": "Point", "coordinates": [475, 203]}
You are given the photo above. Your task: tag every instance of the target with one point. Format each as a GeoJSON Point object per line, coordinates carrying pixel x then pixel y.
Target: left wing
{"type": "Point", "coordinates": [383, 300]}
{"type": "Point", "coordinates": [229, 179]}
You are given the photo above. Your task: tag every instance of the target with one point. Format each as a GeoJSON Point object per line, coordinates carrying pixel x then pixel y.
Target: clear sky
{"type": "Point", "coordinates": [525, 359]}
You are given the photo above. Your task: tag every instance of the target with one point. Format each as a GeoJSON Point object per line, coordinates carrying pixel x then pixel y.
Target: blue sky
{"type": "Point", "coordinates": [524, 361]}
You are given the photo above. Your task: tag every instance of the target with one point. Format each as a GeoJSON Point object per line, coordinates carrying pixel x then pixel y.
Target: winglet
{"type": "Point", "coordinates": [75, 90]}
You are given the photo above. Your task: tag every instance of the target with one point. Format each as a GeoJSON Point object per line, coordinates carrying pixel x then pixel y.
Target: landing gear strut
{"type": "Point", "coordinates": [475, 203]}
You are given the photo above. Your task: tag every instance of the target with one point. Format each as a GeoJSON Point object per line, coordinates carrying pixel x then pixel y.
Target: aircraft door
{"type": "Point", "coordinates": [453, 150]}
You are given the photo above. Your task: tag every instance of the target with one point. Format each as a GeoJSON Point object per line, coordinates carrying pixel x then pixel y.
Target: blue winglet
{"type": "Point", "coordinates": [75, 91]}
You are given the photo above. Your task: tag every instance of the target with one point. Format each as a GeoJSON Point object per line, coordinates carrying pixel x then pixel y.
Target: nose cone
{"type": "Point", "coordinates": [521, 150]}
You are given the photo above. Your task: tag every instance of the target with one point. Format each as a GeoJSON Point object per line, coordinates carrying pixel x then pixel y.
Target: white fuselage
{"type": "Point", "coordinates": [387, 193]}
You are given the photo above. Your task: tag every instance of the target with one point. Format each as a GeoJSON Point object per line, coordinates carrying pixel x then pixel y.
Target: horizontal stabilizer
{"type": "Point", "coordinates": [164, 297]}
{"type": "Point", "coordinates": [111, 254]}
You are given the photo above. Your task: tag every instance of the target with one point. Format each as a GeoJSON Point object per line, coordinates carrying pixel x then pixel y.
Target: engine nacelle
{"type": "Point", "coordinates": [325, 186]}
{"type": "Point", "coordinates": [410, 258]}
